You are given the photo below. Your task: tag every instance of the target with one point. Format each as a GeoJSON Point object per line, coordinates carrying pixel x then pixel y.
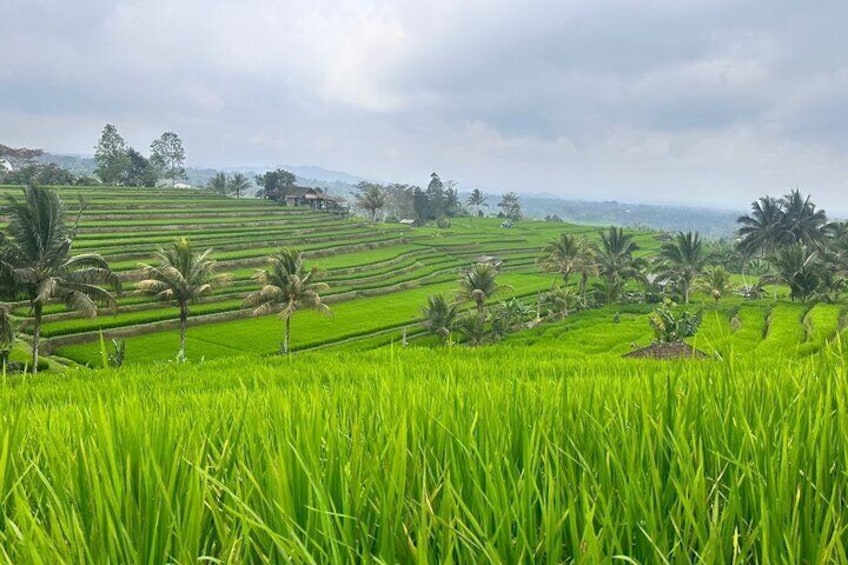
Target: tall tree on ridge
{"type": "Point", "coordinates": [168, 155]}
{"type": "Point", "coordinates": [510, 206]}
{"type": "Point", "coordinates": [565, 255]}
{"type": "Point", "coordinates": [111, 156]}
{"type": "Point", "coordinates": [478, 284]}
{"type": "Point", "coordinates": [219, 184]}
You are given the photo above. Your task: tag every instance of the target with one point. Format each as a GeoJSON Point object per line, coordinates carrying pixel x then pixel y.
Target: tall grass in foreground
{"type": "Point", "coordinates": [429, 457]}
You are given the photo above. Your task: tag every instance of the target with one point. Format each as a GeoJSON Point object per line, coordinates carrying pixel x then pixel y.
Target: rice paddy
{"type": "Point", "coordinates": [547, 447]}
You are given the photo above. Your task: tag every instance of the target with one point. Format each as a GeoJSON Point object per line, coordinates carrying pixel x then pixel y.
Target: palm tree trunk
{"type": "Point", "coordinates": [584, 281]}
{"type": "Point", "coordinates": [181, 356]}
{"type": "Point", "coordinates": [36, 335]}
{"type": "Point", "coordinates": [685, 292]}
{"type": "Point", "coordinates": [286, 335]}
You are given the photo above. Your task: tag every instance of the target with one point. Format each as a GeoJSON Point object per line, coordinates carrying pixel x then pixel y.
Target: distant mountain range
{"type": "Point", "coordinates": [710, 222]}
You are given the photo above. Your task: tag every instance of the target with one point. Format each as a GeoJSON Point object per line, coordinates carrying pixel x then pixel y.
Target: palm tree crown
{"type": "Point", "coordinates": [37, 253]}
{"type": "Point", "coordinates": [238, 184]}
{"type": "Point", "coordinates": [477, 199]}
{"type": "Point", "coordinates": [478, 284]}
{"type": "Point", "coordinates": [287, 286]}
{"type": "Point", "coordinates": [683, 260]}
{"type": "Point", "coordinates": [615, 262]}
{"type": "Point", "coordinates": [778, 222]}
{"type": "Point", "coordinates": [439, 316]}
{"type": "Point", "coordinates": [371, 198]}
{"type": "Point", "coordinates": [565, 255]}
{"type": "Point", "coordinates": [182, 276]}
{"type": "Point", "coordinates": [802, 222]}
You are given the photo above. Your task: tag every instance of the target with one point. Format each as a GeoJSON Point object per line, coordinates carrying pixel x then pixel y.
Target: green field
{"type": "Point", "coordinates": [506, 454]}
{"type": "Point", "coordinates": [546, 446]}
{"type": "Point", "coordinates": [379, 275]}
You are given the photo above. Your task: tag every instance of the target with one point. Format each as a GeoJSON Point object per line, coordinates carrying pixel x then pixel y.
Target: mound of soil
{"type": "Point", "coordinates": [675, 350]}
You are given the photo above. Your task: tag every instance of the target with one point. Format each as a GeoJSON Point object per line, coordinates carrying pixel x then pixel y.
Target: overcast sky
{"type": "Point", "coordinates": [698, 101]}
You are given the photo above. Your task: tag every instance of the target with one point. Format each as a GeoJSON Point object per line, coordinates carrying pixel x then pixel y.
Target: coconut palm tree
{"type": "Point", "coordinates": [38, 254]}
{"type": "Point", "coordinates": [683, 259]}
{"type": "Point", "coordinates": [474, 327]}
{"type": "Point", "coordinates": [556, 303]}
{"type": "Point", "coordinates": [716, 282]}
{"type": "Point", "coordinates": [371, 198]}
{"type": "Point", "coordinates": [238, 184]}
{"type": "Point", "coordinates": [760, 231]}
{"type": "Point", "coordinates": [287, 286]}
{"type": "Point", "coordinates": [799, 267]}
{"type": "Point", "coordinates": [219, 184]}
{"type": "Point", "coordinates": [8, 329]}
{"type": "Point", "coordinates": [439, 316]}
{"type": "Point", "coordinates": [182, 276]}
{"type": "Point", "coordinates": [565, 255]}
{"type": "Point", "coordinates": [477, 199]}
{"type": "Point", "coordinates": [802, 222]}
{"type": "Point", "coordinates": [478, 284]}
{"type": "Point", "coordinates": [615, 262]}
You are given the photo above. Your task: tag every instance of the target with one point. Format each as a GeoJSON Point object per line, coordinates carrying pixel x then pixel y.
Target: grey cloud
{"type": "Point", "coordinates": [622, 98]}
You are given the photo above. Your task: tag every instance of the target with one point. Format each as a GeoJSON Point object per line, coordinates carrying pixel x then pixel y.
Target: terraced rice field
{"type": "Point", "coordinates": [379, 275]}
{"type": "Point", "coordinates": [546, 448]}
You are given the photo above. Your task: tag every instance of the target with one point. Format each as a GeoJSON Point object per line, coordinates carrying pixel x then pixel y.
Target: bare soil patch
{"type": "Point", "coordinates": [675, 350]}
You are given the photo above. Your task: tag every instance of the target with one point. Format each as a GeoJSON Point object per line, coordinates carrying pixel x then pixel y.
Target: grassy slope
{"type": "Point", "coordinates": [116, 221]}
{"type": "Point", "coordinates": [505, 454]}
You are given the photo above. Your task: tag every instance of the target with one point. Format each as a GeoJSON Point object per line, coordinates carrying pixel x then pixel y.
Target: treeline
{"type": "Point", "coordinates": [783, 241]}
{"type": "Point", "coordinates": [21, 165]}
{"type": "Point", "coordinates": [117, 164]}
{"type": "Point", "coordinates": [439, 201]}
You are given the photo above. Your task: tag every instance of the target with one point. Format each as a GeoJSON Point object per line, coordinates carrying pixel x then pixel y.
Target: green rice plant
{"type": "Point", "coordinates": [505, 454]}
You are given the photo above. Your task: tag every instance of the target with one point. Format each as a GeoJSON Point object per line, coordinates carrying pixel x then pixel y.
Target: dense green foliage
{"type": "Point", "coordinates": [507, 455]}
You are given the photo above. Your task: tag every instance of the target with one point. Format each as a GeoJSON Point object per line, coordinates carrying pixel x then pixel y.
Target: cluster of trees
{"type": "Point", "coordinates": [21, 165]}
{"type": "Point", "coordinates": [785, 240]}
{"type": "Point", "coordinates": [184, 274]}
{"type": "Point", "coordinates": [790, 241]}
{"type": "Point", "coordinates": [275, 185]}
{"type": "Point", "coordinates": [120, 164]}
{"type": "Point", "coordinates": [36, 265]}
{"type": "Point", "coordinates": [483, 322]}
{"type": "Point", "coordinates": [477, 285]}
{"type": "Point", "coordinates": [439, 200]}
{"type": "Point", "coordinates": [223, 184]}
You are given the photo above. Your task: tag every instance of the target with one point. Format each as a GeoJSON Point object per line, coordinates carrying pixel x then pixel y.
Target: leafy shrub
{"type": "Point", "coordinates": [443, 222]}
{"type": "Point", "coordinates": [670, 327]}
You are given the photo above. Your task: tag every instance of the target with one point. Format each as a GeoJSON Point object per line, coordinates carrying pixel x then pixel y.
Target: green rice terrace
{"type": "Point", "coordinates": [403, 429]}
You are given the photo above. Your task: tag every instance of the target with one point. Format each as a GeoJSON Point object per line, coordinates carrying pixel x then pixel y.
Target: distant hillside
{"type": "Point", "coordinates": [709, 222]}
{"type": "Point", "coordinates": [335, 182]}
